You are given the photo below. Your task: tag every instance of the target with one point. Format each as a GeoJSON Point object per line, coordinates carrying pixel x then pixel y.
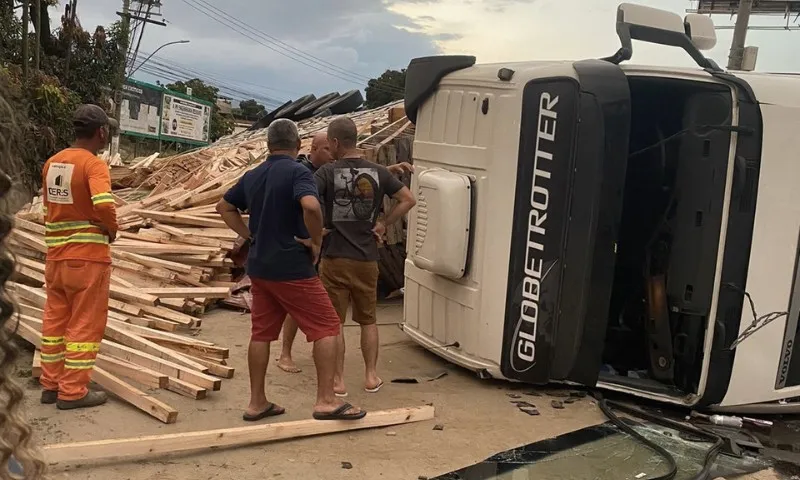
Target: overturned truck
{"type": "Point", "coordinates": [605, 224]}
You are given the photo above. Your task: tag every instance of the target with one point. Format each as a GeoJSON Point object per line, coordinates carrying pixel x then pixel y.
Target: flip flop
{"type": "Point", "coordinates": [374, 390]}
{"type": "Point", "coordinates": [340, 414]}
{"type": "Point", "coordinates": [271, 411]}
{"type": "Point", "coordinates": [341, 395]}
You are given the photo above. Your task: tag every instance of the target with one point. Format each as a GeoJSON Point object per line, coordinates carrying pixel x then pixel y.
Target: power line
{"type": "Point", "coordinates": [218, 77]}
{"type": "Point", "coordinates": [243, 24]}
{"type": "Point", "coordinates": [210, 12]}
{"type": "Point", "coordinates": [173, 74]}
{"type": "Point", "coordinates": [191, 73]}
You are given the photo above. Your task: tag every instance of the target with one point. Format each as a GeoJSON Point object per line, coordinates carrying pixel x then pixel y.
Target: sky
{"type": "Point", "coordinates": [283, 49]}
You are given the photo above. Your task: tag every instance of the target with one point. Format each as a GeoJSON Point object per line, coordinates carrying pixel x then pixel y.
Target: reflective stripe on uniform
{"type": "Point", "coordinates": [76, 238]}
{"type": "Point", "coordinates": [102, 198]}
{"type": "Point", "coordinates": [52, 341]}
{"type": "Point", "coordinates": [52, 357]}
{"type": "Point", "coordinates": [78, 364]}
{"type": "Point", "coordinates": [63, 226]}
{"type": "Point", "coordinates": [83, 347]}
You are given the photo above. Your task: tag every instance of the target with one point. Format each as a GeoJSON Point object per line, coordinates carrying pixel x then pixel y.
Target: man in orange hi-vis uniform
{"type": "Point", "coordinates": [80, 223]}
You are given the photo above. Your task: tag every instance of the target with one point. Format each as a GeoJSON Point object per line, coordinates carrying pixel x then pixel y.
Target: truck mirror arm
{"type": "Point", "coordinates": [628, 32]}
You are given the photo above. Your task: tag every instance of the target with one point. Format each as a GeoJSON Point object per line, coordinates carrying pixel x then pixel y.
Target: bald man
{"type": "Point", "coordinates": [319, 156]}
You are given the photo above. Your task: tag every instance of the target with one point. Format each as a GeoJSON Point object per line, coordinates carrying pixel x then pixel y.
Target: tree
{"type": "Point", "coordinates": [251, 109]}
{"type": "Point", "coordinates": [221, 124]}
{"type": "Point", "coordinates": [386, 88]}
{"type": "Point", "coordinates": [44, 103]}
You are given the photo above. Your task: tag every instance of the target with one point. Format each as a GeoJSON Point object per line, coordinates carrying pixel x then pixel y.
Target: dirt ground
{"type": "Point", "coordinates": [477, 417]}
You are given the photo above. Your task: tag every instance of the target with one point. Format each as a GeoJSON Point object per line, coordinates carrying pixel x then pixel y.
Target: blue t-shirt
{"type": "Point", "coordinates": [271, 193]}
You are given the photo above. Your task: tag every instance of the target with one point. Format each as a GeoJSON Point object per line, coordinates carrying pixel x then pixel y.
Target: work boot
{"type": "Point", "coordinates": [92, 399]}
{"type": "Point", "coordinates": [49, 397]}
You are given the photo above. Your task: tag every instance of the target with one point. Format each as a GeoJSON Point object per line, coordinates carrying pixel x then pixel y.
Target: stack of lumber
{"type": "Point", "coordinates": [172, 243]}
{"type": "Point", "coordinates": [138, 345]}
{"type": "Point", "coordinates": [171, 260]}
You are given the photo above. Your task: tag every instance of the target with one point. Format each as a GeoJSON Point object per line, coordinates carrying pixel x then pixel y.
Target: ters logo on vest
{"type": "Point", "coordinates": [59, 183]}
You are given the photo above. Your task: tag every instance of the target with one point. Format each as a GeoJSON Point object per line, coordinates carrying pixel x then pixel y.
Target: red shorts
{"type": "Point", "coordinates": [305, 300]}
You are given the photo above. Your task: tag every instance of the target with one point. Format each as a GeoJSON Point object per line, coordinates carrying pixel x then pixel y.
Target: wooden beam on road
{"type": "Point", "coordinates": [156, 445]}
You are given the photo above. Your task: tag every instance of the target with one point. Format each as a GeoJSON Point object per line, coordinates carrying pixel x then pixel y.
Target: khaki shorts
{"type": "Point", "coordinates": [346, 280]}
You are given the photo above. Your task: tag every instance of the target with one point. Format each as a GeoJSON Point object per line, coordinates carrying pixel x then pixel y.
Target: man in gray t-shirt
{"type": "Point", "coordinates": [352, 191]}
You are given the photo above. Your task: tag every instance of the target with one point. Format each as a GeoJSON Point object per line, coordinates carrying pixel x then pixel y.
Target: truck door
{"type": "Point", "coordinates": [570, 180]}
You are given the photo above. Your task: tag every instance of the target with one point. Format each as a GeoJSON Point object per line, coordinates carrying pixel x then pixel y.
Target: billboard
{"type": "Point", "coordinates": [141, 109]}
{"type": "Point", "coordinates": [760, 7]}
{"type": "Point", "coordinates": [185, 119]}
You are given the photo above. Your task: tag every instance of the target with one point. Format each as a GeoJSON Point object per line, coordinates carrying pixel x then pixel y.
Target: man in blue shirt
{"type": "Point", "coordinates": [285, 233]}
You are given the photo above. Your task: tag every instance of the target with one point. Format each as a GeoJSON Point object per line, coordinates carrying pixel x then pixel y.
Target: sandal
{"type": "Point", "coordinates": [271, 411]}
{"type": "Point", "coordinates": [340, 414]}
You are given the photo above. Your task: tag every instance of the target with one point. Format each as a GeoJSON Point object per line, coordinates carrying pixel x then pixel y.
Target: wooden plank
{"type": "Point", "coordinates": [30, 274]}
{"type": "Point", "coordinates": [384, 129]}
{"type": "Point", "coordinates": [142, 375]}
{"type": "Point", "coordinates": [164, 249]}
{"type": "Point", "coordinates": [125, 307]}
{"type": "Point", "coordinates": [186, 389]}
{"type": "Point", "coordinates": [394, 135]}
{"type": "Point", "coordinates": [169, 229]}
{"type": "Point", "coordinates": [33, 241]}
{"type": "Point", "coordinates": [153, 445]}
{"type": "Point", "coordinates": [143, 345]}
{"type": "Point", "coordinates": [187, 348]}
{"type": "Point", "coordinates": [160, 365]}
{"type": "Point", "coordinates": [30, 226]}
{"type": "Point", "coordinates": [203, 242]}
{"type": "Point", "coordinates": [214, 368]}
{"type": "Point", "coordinates": [159, 323]}
{"type": "Point", "coordinates": [176, 218]}
{"type": "Point", "coordinates": [131, 295]}
{"type": "Point", "coordinates": [191, 292]}
{"type": "Point", "coordinates": [172, 316]}
{"type": "Point", "coordinates": [30, 311]}
{"type": "Point", "coordinates": [138, 321]}
{"type": "Point", "coordinates": [134, 396]}
{"type": "Point", "coordinates": [220, 233]}
{"type": "Point", "coordinates": [36, 364]}
{"type": "Point", "coordinates": [34, 296]}
{"type": "Point", "coordinates": [32, 264]}
{"type": "Point", "coordinates": [150, 334]}
{"type": "Point", "coordinates": [151, 262]}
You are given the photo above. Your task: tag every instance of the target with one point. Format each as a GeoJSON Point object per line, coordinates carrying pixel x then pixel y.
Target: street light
{"type": "Point", "coordinates": [156, 51]}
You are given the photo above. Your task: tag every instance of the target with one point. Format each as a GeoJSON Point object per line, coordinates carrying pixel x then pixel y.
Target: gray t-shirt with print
{"type": "Point", "coordinates": [352, 190]}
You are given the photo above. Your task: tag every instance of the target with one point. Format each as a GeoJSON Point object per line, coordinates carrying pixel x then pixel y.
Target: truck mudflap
{"type": "Point", "coordinates": [570, 178]}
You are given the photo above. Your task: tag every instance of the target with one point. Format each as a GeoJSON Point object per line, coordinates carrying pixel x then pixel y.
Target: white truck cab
{"type": "Point", "coordinates": [604, 224]}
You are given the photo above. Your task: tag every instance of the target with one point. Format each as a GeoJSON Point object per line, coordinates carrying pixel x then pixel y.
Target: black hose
{"type": "Point", "coordinates": [711, 454]}
{"type": "Point", "coordinates": [673, 467]}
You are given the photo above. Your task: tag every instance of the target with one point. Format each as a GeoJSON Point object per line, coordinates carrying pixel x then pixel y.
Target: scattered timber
{"type": "Point", "coordinates": [173, 258]}
{"type": "Point", "coordinates": [156, 445]}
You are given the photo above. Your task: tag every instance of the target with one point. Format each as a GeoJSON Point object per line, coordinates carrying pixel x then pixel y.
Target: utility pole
{"type": "Point", "coordinates": [123, 60]}
{"type": "Point", "coordinates": [26, 20]}
{"type": "Point", "coordinates": [71, 24]}
{"type": "Point", "coordinates": [38, 47]}
{"type": "Point", "coordinates": [740, 35]}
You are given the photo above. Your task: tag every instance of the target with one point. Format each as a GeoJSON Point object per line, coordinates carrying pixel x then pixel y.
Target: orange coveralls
{"type": "Point", "coordinates": [77, 201]}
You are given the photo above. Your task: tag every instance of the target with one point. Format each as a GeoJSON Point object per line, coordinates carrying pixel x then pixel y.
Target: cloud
{"type": "Point", "coordinates": [362, 38]}
{"type": "Point", "coordinates": [277, 48]}
{"type": "Point", "coordinates": [520, 30]}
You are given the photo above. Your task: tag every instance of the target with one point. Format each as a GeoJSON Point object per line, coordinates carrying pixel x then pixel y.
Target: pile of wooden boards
{"type": "Point", "coordinates": [157, 287]}
{"type": "Point", "coordinates": [182, 192]}
{"type": "Point", "coordinates": [171, 260]}
{"type": "Point", "coordinates": [132, 348]}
